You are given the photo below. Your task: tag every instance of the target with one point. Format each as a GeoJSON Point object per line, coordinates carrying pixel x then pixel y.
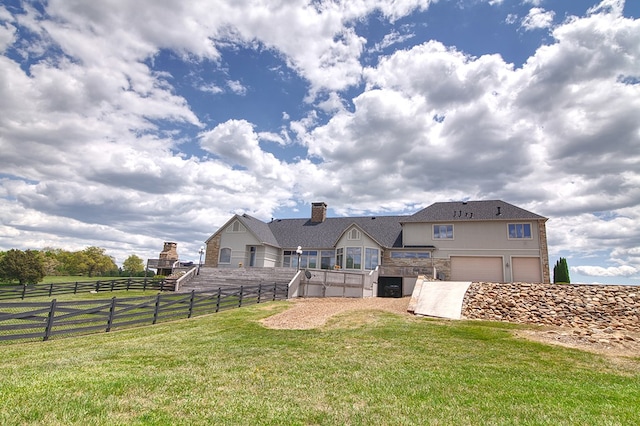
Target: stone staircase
{"type": "Point", "coordinates": [212, 278]}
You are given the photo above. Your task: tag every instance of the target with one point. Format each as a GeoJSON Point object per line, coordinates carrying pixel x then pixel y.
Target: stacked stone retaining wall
{"type": "Point", "coordinates": [566, 305]}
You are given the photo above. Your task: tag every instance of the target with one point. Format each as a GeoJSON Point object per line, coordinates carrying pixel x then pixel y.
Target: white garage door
{"type": "Point", "coordinates": [526, 269]}
{"type": "Point", "coordinates": [467, 268]}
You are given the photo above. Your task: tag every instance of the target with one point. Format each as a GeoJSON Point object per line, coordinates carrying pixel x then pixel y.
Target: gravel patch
{"type": "Point", "coordinates": [310, 313]}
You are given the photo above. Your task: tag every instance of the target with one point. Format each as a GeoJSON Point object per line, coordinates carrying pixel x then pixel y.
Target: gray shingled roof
{"type": "Point", "coordinates": [260, 229]}
{"type": "Point", "coordinates": [386, 230]}
{"type": "Point", "coordinates": [302, 232]}
{"type": "Point", "coordinates": [471, 210]}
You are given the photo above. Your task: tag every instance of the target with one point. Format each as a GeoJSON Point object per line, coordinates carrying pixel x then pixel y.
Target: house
{"type": "Point", "coordinates": [455, 241]}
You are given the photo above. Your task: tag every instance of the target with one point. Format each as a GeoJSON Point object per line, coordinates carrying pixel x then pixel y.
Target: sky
{"type": "Point", "coordinates": [126, 124]}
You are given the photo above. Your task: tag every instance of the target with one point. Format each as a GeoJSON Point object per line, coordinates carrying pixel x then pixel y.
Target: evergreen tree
{"type": "Point", "coordinates": [561, 271]}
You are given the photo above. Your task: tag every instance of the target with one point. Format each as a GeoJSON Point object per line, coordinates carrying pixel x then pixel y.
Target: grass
{"type": "Point", "coordinates": [361, 369]}
{"type": "Point", "coordinates": [73, 278]}
{"type": "Point", "coordinates": [69, 279]}
{"type": "Point", "coordinates": [87, 295]}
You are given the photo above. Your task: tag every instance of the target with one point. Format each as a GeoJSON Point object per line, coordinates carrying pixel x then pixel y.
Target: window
{"type": "Point", "coordinates": [252, 255]}
{"type": "Point", "coordinates": [309, 259]}
{"type": "Point", "coordinates": [327, 259]}
{"type": "Point", "coordinates": [354, 258]}
{"type": "Point", "coordinates": [354, 234]}
{"type": "Point", "coordinates": [519, 231]}
{"type": "Point", "coordinates": [443, 232]}
{"type": "Point", "coordinates": [339, 257]}
{"type": "Point", "coordinates": [225, 255]}
{"type": "Point", "coordinates": [410, 255]}
{"type": "Point", "coordinates": [287, 261]}
{"type": "Point", "coordinates": [370, 258]}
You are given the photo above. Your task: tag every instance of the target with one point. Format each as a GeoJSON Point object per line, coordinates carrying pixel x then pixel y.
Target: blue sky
{"type": "Point", "coordinates": [125, 124]}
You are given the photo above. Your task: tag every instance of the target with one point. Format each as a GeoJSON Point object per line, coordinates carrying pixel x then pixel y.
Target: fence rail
{"type": "Point", "coordinates": [8, 292]}
{"type": "Point", "coordinates": [47, 320]}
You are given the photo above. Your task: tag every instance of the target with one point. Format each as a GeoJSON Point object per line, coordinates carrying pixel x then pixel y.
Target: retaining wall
{"type": "Point", "coordinates": [566, 305]}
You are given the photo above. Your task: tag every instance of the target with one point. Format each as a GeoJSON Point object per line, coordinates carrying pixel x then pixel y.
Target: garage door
{"type": "Point", "coordinates": [466, 268]}
{"type": "Point", "coordinates": [526, 269]}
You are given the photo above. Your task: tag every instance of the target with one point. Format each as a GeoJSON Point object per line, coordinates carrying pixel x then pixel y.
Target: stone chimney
{"type": "Point", "coordinates": [169, 252]}
{"type": "Point", "coordinates": [318, 212]}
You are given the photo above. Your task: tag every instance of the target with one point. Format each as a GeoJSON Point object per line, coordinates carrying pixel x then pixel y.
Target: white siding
{"type": "Point", "coordinates": [239, 243]}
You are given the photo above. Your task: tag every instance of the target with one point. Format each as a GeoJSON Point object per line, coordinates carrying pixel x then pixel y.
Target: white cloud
{"type": "Point", "coordinates": [614, 7]}
{"type": "Point", "coordinates": [272, 137]}
{"type": "Point", "coordinates": [236, 142]}
{"type": "Point", "coordinates": [7, 33]}
{"type": "Point", "coordinates": [511, 18]}
{"type": "Point", "coordinates": [332, 103]}
{"type": "Point", "coordinates": [103, 128]}
{"type": "Point", "coordinates": [391, 39]}
{"type": "Point", "coordinates": [211, 88]}
{"type": "Point", "coordinates": [538, 18]}
{"type": "Point", "coordinates": [237, 87]}
{"type": "Point", "coordinates": [612, 271]}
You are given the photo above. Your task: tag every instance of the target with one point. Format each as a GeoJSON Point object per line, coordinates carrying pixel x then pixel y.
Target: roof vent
{"type": "Point", "coordinates": [499, 213]}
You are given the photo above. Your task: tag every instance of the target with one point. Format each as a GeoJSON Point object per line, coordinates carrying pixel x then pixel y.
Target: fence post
{"type": "Point", "coordinates": [75, 288]}
{"type": "Point", "coordinates": [259, 291]}
{"type": "Point", "coordinates": [97, 286]}
{"type": "Point", "coordinates": [218, 301]}
{"type": "Point", "coordinates": [112, 310]}
{"type": "Point", "coordinates": [240, 299]}
{"type": "Point", "coordinates": [193, 293]}
{"type": "Point", "coordinates": [275, 290]}
{"type": "Point", "coordinates": [157, 308]}
{"type": "Point", "coordinates": [113, 283]}
{"type": "Point", "coordinates": [128, 283]}
{"type": "Point", "coordinates": [24, 290]}
{"type": "Point", "coordinates": [50, 289]}
{"type": "Point", "coordinates": [144, 286]}
{"type": "Point", "coordinates": [49, 326]}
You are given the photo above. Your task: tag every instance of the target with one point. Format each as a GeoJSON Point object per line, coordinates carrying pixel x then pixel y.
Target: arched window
{"type": "Point", "coordinates": [225, 255]}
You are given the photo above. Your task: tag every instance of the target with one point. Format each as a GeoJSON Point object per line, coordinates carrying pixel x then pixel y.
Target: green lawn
{"type": "Point", "coordinates": [70, 279]}
{"type": "Point", "coordinates": [80, 278]}
{"type": "Point", "coordinates": [369, 368]}
{"type": "Point", "coordinates": [87, 295]}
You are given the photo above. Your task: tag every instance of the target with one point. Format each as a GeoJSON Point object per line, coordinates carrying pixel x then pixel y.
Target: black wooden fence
{"type": "Point", "coordinates": [46, 320]}
{"type": "Point", "coordinates": [12, 292]}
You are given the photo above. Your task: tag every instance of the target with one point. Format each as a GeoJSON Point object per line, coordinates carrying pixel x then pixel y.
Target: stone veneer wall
{"type": "Point", "coordinates": [566, 305]}
{"type": "Point", "coordinates": [544, 251]}
{"type": "Point", "coordinates": [212, 251]}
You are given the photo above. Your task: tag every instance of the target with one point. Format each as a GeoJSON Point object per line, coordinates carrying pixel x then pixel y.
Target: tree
{"type": "Point", "coordinates": [24, 266]}
{"type": "Point", "coordinates": [51, 260]}
{"type": "Point", "coordinates": [561, 271]}
{"type": "Point", "coordinates": [133, 265]}
{"type": "Point", "coordinates": [96, 261]}
{"type": "Point", "coordinates": [72, 263]}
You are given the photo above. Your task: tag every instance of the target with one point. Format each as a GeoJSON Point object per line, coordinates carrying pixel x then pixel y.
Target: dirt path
{"type": "Point", "coordinates": [314, 313]}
